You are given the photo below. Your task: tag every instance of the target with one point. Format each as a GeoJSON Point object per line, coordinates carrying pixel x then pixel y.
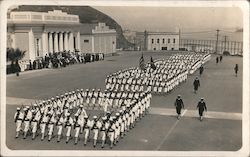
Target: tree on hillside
{"type": "Point", "coordinates": [14, 55]}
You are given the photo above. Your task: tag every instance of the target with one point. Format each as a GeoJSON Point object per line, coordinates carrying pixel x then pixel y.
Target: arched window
{"type": "Point", "coordinates": [168, 40]}
{"type": "Point", "coordinates": [174, 40]}
{"type": "Point", "coordinates": [163, 40]}
{"type": "Point", "coordinates": [152, 41]}
{"type": "Point", "coordinates": [158, 41]}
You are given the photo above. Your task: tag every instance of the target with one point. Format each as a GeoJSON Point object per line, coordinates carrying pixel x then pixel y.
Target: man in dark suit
{"type": "Point", "coordinates": [201, 107]}
{"type": "Point", "coordinates": [179, 105]}
{"type": "Point", "coordinates": [196, 84]}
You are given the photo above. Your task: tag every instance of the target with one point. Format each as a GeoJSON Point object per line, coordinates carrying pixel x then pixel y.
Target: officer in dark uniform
{"type": "Point", "coordinates": [217, 60]}
{"type": "Point", "coordinates": [179, 105]}
{"type": "Point", "coordinates": [201, 107]}
{"type": "Point", "coordinates": [196, 84]}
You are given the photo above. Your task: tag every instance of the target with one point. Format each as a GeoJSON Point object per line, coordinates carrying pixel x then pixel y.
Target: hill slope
{"type": "Point", "coordinates": [87, 15]}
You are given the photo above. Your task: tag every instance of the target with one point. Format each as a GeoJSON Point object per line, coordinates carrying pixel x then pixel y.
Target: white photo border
{"type": "Point", "coordinates": [243, 5]}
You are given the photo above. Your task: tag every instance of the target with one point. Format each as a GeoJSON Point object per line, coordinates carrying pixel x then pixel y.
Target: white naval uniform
{"type": "Point", "coordinates": [18, 120]}
{"type": "Point", "coordinates": [35, 121]}
{"type": "Point", "coordinates": [60, 125]}
{"type": "Point", "coordinates": [95, 128]}
{"type": "Point", "coordinates": [68, 125]}
{"type": "Point", "coordinates": [51, 125]}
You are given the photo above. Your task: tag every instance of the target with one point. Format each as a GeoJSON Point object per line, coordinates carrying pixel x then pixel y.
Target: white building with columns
{"type": "Point", "coordinates": [40, 33]}
{"type": "Point", "coordinates": [97, 38]}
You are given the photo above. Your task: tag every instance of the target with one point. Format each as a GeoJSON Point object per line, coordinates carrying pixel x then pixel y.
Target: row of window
{"type": "Point", "coordinates": [163, 40]}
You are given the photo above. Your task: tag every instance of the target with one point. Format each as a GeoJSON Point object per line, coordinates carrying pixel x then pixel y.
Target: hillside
{"type": "Point", "coordinates": [87, 15]}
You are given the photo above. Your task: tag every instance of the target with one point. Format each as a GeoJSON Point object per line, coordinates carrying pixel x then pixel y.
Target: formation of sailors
{"type": "Point", "coordinates": [168, 74]}
{"type": "Point", "coordinates": [124, 102]}
{"type": "Point", "coordinates": [65, 116]}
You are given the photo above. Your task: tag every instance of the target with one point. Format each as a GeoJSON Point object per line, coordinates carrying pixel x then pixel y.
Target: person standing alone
{"type": "Point", "coordinates": [236, 68]}
{"type": "Point", "coordinates": [201, 107]}
{"type": "Point", "coordinates": [196, 84]}
{"type": "Point", "coordinates": [179, 105]}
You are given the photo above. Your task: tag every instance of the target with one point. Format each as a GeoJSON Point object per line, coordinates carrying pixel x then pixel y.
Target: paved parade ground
{"type": "Point", "coordinates": [221, 130]}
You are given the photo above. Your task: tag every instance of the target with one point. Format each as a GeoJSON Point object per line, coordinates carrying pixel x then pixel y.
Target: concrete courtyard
{"type": "Point", "coordinates": [221, 130]}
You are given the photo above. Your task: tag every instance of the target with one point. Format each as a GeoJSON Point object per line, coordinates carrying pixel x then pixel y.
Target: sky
{"type": "Point", "coordinates": [170, 18]}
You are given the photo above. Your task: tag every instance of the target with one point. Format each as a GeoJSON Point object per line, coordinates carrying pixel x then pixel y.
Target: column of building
{"type": "Point", "coordinates": [61, 41]}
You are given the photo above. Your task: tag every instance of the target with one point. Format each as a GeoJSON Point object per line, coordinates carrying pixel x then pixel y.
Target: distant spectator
{"type": "Point", "coordinates": [236, 68]}
{"type": "Point", "coordinates": [30, 65]}
{"type": "Point", "coordinates": [220, 58]}
{"type": "Point", "coordinates": [34, 64]}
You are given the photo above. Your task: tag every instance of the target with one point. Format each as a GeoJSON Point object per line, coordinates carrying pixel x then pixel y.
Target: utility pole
{"type": "Point", "coordinates": [217, 37]}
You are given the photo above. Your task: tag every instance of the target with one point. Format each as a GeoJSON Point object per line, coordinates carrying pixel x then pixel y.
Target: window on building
{"type": "Point", "coordinates": [113, 42]}
{"type": "Point", "coordinates": [158, 41]}
{"type": "Point", "coordinates": [152, 41]}
{"type": "Point", "coordinates": [168, 40]}
{"type": "Point", "coordinates": [174, 40]}
{"type": "Point", "coordinates": [163, 40]}
{"type": "Point", "coordinates": [172, 48]}
{"type": "Point", "coordinates": [86, 41]}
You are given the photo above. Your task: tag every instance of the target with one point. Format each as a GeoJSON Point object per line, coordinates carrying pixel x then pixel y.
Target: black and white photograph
{"type": "Point", "coordinates": [124, 78]}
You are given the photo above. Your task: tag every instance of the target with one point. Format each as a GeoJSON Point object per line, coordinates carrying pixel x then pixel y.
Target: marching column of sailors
{"type": "Point", "coordinates": [167, 75]}
{"type": "Point", "coordinates": [66, 117]}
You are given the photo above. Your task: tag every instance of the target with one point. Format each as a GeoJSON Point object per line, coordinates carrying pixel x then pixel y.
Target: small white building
{"type": "Point", "coordinates": [97, 38]}
{"type": "Point", "coordinates": [39, 33]}
{"type": "Point", "coordinates": [158, 40]}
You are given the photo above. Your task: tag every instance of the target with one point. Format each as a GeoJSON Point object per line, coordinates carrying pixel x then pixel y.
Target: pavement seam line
{"type": "Point", "coordinates": [169, 132]}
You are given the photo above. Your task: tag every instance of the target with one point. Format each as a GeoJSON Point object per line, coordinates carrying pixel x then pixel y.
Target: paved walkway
{"type": "Point", "coordinates": [194, 113]}
{"type": "Point", "coordinates": [221, 130]}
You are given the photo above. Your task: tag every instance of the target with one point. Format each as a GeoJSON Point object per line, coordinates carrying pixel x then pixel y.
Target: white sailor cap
{"type": "Point", "coordinates": [73, 92]}
{"type": "Point", "coordinates": [76, 115]}
{"type": "Point", "coordinates": [57, 97]}
{"type": "Point", "coordinates": [18, 108]}
{"type": "Point", "coordinates": [35, 105]}
{"type": "Point", "coordinates": [52, 98]}
{"type": "Point", "coordinates": [202, 98]}
{"type": "Point", "coordinates": [77, 90]}
{"type": "Point", "coordinates": [66, 93]}
{"type": "Point", "coordinates": [94, 117]}
{"type": "Point", "coordinates": [27, 107]}
{"type": "Point", "coordinates": [86, 116]}
{"type": "Point", "coordinates": [87, 89]}
{"type": "Point", "coordinates": [81, 89]}
{"type": "Point", "coordinates": [24, 109]}
{"type": "Point", "coordinates": [61, 96]}
{"type": "Point", "coordinates": [68, 114]}
{"type": "Point", "coordinates": [70, 93]}
{"type": "Point", "coordinates": [43, 102]}
{"type": "Point", "coordinates": [81, 106]}
{"type": "Point", "coordinates": [93, 89]}
{"type": "Point", "coordinates": [104, 118]}
{"type": "Point", "coordinates": [117, 114]}
{"type": "Point", "coordinates": [99, 89]}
